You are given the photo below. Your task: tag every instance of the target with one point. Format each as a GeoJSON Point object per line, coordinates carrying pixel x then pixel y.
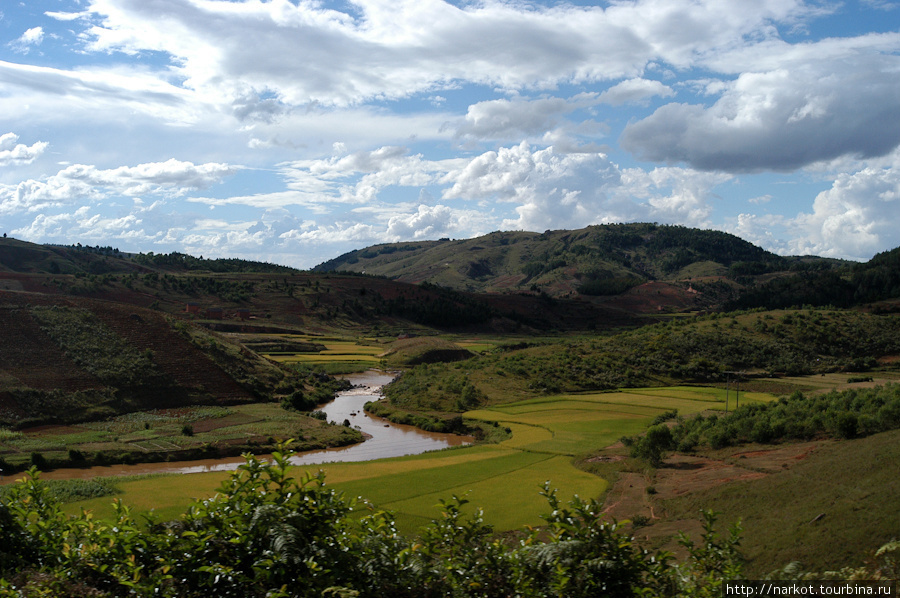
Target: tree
{"type": "Point", "coordinates": [652, 445]}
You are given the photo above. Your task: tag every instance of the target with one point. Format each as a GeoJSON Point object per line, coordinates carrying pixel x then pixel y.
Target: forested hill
{"type": "Point", "coordinates": [597, 260]}
{"type": "Point", "coordinates": [877, 280]}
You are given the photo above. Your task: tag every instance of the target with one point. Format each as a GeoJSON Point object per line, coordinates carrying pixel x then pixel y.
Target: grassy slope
{"type": "Point", "coordinates": [21, 256]}
{"type": "Point", "coordinates": [853, 484]}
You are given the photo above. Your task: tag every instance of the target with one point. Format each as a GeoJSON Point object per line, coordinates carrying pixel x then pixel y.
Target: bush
{"type": "Point", "coordinates": [39, 461]}
{"type": "Point", "coordinates": [847, 425]}
{"type": "Point", "coordinates": [842, 414]}
{"type": "Point", "coordinates": [297, 401]}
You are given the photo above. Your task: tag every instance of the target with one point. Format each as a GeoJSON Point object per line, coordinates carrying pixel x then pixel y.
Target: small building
{"type": "Point", "coordinates": [243, 313]}
{"type": "Point", "coordinates": [214, 313]}
{"type": "Point", "coordinates": [192, 308]}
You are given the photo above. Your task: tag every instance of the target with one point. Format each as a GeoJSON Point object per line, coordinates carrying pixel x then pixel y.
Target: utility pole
{"type": "Point", "coordinates": [737, 389]}
{"type": "Point", "coordinates": [727, 388]}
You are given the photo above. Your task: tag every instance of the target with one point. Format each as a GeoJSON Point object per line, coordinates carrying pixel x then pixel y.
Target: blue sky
{"type": "Point", "coordinates": [293, 131]}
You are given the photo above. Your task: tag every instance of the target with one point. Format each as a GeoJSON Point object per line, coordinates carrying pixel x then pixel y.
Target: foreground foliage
{"type": "Point", "coordinates": [269, 534]}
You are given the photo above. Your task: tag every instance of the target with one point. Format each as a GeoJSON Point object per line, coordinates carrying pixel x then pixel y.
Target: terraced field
{"type": "Point", "coordinates": [339, 356]}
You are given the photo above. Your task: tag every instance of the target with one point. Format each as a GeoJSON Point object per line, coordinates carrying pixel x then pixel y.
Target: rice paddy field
{"type": "Point", "coordinates": [339, 355]}
{"type": "Point", "coordinates": [343, 356]}
{"type": "Point", "coordinates": [504, 480]}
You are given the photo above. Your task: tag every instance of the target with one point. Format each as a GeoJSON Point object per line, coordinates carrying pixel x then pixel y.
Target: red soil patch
{"type": "Point", "coordinates": [30, 358]}
{"type": "Point", "coordinates": [207, 425]}
{"type": "Point", "coordinates": [51, 430]}
{"type": "Point", "coordinates": [628, 497]}
{"type": "Point", "coordinates": [652, 297]}
{"type": "Point", "coordinates": [173, 354]}
{"type": "Point", "coordinates": [684, 474]}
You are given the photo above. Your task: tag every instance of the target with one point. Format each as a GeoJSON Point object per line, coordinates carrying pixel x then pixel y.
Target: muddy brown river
{"type": "Point", "coordinates": [385, 439]}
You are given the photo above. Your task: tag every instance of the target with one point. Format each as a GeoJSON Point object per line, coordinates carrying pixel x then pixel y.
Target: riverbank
{"type": "Point", "coordinates": [364, 437]}
{"type": "Point", "coordinates": [171, 435]}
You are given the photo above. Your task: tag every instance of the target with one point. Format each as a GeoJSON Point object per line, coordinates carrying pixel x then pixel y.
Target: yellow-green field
{"type": "Point", "coordinates": [337, 353]}
{"type": "Point", "coordinates": [477, 345]}
{"type": "Point", "coordinates": [505, 480]}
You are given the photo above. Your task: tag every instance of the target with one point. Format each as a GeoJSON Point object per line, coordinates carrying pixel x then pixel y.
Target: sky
{"type": "Point", "coordinates": [292, 131]}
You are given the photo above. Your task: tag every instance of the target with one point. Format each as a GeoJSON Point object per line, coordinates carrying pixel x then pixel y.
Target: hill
{"type": "Point", "coordinates": [873, 282]}
{"type": "Point", "coordinates": [239, 295]}
{"type": "Point", "coordinates": [68, 359]}
{"type": "Point", "coordinates": [597, 260]}
{"type": "Point", "coordinates": [636, 268]}
{"type": "Point", "coordinates": [763, 345]}
{"type": "Point", "coordinates": [25, 257]}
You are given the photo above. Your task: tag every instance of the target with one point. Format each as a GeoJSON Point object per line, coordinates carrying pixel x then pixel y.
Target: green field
{"type": "Point", "coordinates": [505, 480]}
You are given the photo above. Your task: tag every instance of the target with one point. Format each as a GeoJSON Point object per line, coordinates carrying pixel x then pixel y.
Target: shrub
{"type": "Point", "coordinates": [847, 425]}
{"type": "Point", "coordinates": [297, 401]}
{"type": "Point", "coordinates": [39, 461]}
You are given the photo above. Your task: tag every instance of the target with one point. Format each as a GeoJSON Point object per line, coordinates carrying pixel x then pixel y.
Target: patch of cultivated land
{"type": "Point", "coordinates": [33, 360]}
{"type": "Point", "coordinates": [174, 434]}
{"type": "Point", "coordinates": [173, 354]}
{"type": "Point", "coordinates": [331, 355]}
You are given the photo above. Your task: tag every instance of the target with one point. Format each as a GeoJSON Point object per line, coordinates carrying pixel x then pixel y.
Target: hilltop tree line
{"type": "Point", "coordinates": [184, 262]}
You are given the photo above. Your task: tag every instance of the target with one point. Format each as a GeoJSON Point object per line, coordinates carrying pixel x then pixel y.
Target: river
{"type": "Point", "coordinates": [384, 439]}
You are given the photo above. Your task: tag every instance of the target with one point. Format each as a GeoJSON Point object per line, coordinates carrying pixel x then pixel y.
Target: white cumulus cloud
{"type": "Point", "coordinates": [19, 153]}
{"type": "Point", "coordinates": [83, 182]}
{"type": "Point", "coordinates": [31, 37]}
